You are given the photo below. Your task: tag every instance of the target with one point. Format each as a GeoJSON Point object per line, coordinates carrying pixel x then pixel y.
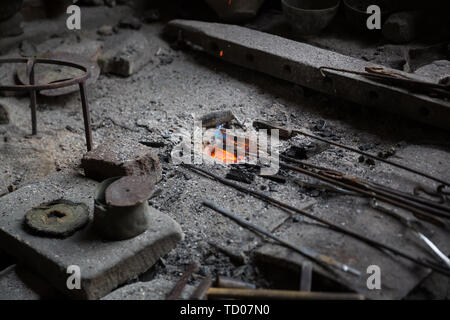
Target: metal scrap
{"type": "Point", "coordinates": [178, 288]}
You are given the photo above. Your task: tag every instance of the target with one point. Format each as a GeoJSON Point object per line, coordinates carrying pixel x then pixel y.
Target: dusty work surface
{"type": "Point", "coordinates": [164, 97]}
{"type": "Point", "coordinates": [104, 265]}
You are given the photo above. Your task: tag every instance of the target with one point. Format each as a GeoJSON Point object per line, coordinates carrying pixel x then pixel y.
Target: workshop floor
{"type": "Point", "coordinates": [164, 97]}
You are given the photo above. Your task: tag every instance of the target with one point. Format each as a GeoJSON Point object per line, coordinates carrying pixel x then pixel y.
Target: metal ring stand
{"type": "Point", "coordinates": [34, 88]}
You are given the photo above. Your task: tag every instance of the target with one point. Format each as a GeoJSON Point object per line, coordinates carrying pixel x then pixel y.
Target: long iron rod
{"type": "Point", "coordinates": [336, 227]}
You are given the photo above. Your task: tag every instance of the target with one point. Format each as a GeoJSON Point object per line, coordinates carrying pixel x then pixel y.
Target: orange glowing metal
{"type": "Point", "coordinates": [221, 53]}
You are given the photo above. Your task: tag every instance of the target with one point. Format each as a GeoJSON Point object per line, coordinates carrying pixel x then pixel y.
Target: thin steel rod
{"type": "Point", "coordinates": [178, 288]}
{"type": "Point", "coordinates": [320, 258]}
{"type": "Point", "coordinates": [202, 289]}
{"type": "Point", "coordinates": [336, 227]}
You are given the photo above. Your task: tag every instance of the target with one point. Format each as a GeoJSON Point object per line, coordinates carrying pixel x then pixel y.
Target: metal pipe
{"type": "Point", "coordinates": [202, 289]}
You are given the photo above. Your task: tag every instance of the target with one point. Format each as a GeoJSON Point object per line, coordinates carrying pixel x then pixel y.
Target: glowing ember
{"type": "Point", "coordinates": [224, 156]}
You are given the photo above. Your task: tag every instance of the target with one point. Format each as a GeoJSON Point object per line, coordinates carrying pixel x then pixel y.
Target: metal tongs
{"type": "Point", "coordinates": [414, 226]}
{"type": "Point", "coordinates": [399, 79]}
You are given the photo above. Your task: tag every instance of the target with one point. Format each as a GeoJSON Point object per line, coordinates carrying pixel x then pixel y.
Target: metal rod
{"type": "Point", "coordinates": [178, 288]}
{"type": "Point", "coordinates": [320, 258]}
{"type": "Point", "coordinates": [86, 116]}
{"type": "Point", "coordinates": [202, 289]}
{"type": "Point", "coordinates": [328, 223]}
{"type": "Point", "coordinates": [262, 294]}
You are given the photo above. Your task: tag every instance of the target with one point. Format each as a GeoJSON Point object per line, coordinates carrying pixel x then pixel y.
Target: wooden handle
{"type": "Point", "coordinates": [227, 293]}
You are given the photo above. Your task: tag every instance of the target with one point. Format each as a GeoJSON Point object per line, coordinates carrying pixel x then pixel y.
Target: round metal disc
{"type": "Point", "coordinates": [58, 219]}
{"type": "Point", "coordinates": [47, 73]}
{"type": "Point", "coordinates": [129, 191]}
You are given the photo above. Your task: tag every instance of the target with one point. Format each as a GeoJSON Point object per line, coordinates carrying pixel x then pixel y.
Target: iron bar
{"type": "Point", "coordinates": [202, 289]}
{"type": "Point", "coordinates": [178, 288]}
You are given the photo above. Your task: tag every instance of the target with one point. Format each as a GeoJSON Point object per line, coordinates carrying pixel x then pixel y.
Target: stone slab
{"type": "Point", "coordinates": [104, 265]}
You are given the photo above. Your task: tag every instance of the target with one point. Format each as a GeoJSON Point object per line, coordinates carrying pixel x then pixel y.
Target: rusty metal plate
{"type": "Point", "coordinates": [129, 191]}
{"type": "Point", "coordinates": [46, 73]}
{"type": "Point", "coordinates": [59, 218]}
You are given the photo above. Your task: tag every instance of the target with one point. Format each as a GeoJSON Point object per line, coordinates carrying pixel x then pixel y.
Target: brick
{"type": "Point", "coordinates": [121, 158]}
{"type": "Point", "coordinates": [125, 54]}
